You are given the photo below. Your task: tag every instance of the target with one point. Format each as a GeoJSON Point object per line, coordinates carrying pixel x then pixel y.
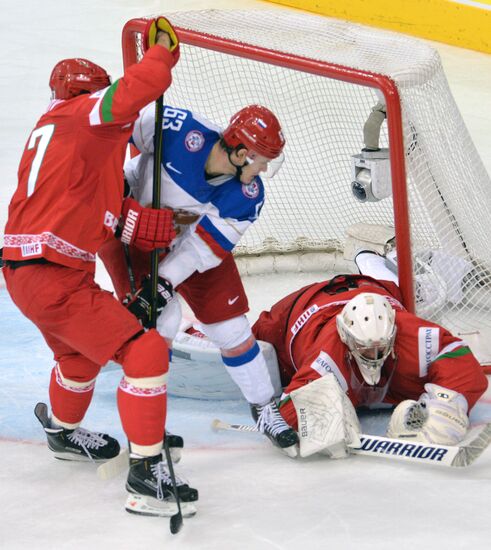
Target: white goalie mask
{"type": "Point", "coordinates": [367, 326]}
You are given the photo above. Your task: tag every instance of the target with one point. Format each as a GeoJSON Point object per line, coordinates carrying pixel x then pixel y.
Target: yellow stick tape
{"type": "Point", "coordinates": [463, 23]}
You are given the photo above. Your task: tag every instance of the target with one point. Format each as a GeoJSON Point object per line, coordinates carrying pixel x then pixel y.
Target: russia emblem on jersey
{"type": "Point", "coordinates": [194, 141]}
{"type": "Point", "coordinates": [251, 190]}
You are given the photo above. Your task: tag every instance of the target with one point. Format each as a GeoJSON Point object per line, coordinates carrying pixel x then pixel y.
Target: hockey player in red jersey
{"type": "Point", "coordinates": [68, 202]}
{"type": "Point", "coordinates": [351, 337]}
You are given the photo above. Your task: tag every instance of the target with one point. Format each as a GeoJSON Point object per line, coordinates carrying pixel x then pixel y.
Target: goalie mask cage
{"type": "Point", "coordinates": [322, 77]}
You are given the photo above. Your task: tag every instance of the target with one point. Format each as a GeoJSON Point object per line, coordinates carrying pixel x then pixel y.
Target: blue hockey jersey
{"type": "Point", "coordinates": [225, 206]}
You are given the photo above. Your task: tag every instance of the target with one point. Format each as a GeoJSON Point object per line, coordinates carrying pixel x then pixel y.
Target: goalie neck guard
{"type": "Point", "coordinates": [367, 326]}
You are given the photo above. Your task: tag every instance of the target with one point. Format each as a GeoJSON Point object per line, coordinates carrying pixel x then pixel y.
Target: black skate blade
{"type": "Point", "coordinates": [41, 412]}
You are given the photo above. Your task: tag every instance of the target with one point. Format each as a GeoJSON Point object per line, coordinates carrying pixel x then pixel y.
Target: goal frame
{"type": "Point", "coordinates": [329, 70]}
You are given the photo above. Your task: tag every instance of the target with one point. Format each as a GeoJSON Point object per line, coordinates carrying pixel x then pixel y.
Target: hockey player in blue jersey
{"type": "Point", "coordinates": [214, 176]}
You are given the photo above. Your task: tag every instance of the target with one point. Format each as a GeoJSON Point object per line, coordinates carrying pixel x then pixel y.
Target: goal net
{"type": "Point", "coordinates": [322, 78]}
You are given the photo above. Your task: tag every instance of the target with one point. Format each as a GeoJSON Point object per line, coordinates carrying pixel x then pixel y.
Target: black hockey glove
{"type": "Point", "coordinates": [139, 305]}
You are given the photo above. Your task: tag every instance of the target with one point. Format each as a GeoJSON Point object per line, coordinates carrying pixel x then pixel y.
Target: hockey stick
{"type": "Point", "coordinates": [461, 455]}
{"type": "Point", "coordinates": [129, 267]}
{"type": "Point", "coordinates": [156, 191]}
{"type": "Point", "coordinates": [113, 467]}
{"type": "Point", "coordinates": [176, 520]}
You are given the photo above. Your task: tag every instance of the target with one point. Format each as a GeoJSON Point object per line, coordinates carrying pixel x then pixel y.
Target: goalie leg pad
{"type": "Point", "coordinates": [365, 236]}
{"type": "Point", "coordinates": [327, 420]}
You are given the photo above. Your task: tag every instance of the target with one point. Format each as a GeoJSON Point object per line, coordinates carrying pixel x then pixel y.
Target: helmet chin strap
{"type": "Point", "coordinates": [238, 168]}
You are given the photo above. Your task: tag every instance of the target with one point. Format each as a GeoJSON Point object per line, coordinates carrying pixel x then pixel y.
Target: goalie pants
{"type": "Point", "coordinates": [85, 327]}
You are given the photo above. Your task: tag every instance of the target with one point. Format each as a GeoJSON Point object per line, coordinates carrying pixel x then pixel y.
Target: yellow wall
{"type": "Point", "coordinates": [462, 23]}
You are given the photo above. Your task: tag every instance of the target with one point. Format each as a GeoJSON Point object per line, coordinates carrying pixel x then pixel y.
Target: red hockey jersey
{"type": "Point", "coordinates": [70, 178]}
{"type": "Point", "coordinates": [302, 327]}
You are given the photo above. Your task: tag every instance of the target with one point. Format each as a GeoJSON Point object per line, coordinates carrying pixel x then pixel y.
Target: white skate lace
{"type": "Point", "coordinates": [163, 478]}
{"type": "Point", "coordinates": [270, 420]}
{"type": "Point", "coordinates": [87, 440]}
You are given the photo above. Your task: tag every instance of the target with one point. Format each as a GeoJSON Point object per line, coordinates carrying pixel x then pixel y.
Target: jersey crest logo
{"type": "Point", "coordinates": [194, 141]}
{"type": "Point", "coordinates": [251, 190]}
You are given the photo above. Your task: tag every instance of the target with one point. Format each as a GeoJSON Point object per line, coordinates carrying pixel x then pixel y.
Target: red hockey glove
{"type": "Point", "coordinates": [151, 31]}
{"type": "Point", "coordinates": [146, 228]}
{"type": "Point", "coordinates": [140, 304]}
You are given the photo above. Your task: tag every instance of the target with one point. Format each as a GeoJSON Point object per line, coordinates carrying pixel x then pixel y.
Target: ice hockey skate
{"type": "Point", "coordinates": [270, 422]}
{"type": "Point", "coordinates": [150, 489]}
{"type": "Point", "coordinates": [79, 444]}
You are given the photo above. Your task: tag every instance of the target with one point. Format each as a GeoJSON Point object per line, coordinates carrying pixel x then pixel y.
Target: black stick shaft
{"type": "Point", "coordinates": [156, 191]}
{"type": "Point", "coordinates": [176, 520]}
{"type": "Point", "coordinates": [129, 266]}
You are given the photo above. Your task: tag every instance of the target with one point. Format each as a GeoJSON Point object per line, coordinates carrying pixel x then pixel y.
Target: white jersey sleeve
{"type": "Point", "coordinates": [144, 129]}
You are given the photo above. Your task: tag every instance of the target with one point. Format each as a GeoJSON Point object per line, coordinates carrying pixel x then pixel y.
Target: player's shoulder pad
{"type": "Point", "coordinates": [239, 201]}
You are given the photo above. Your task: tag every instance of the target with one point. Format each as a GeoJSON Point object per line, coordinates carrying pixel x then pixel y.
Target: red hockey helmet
{"type": "Point", "coordinates": [72, 77]}
{"type": "Point", "coordinates": [256, 128]}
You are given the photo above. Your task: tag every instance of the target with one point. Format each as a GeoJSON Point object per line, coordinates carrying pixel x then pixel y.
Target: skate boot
{"type": "Point", "coordinates": [150, 489]}
{"type": "Point", "coordinates": [78, 444]}
{"type": "Point", "coordinates": [270, 422]}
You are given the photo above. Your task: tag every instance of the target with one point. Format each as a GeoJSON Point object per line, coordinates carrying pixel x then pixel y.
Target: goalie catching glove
{"type": "Point", "coordinates": [439, 416]}
{"type": "Point", "coordinates": [146, 228]}
{"type": "Point", "coordinates": [140, 304]}
{"type": "Point", "coordinates": [161, 24]}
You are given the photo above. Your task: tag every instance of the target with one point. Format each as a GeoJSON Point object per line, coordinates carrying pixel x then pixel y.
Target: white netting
{"type": "Point", "coordinates": [309, 203]}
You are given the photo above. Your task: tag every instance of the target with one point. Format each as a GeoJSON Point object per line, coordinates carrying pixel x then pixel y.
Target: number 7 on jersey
{"type": "Point", "coordinates": [44, 133]}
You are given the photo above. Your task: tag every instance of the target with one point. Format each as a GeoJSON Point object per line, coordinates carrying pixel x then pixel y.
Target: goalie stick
{"type": "Point", "coordinates": [461, 455]}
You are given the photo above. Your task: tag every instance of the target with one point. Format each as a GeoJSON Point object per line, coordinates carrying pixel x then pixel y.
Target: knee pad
{"type": "Point", "coordinates": [146, 356]}
{"type": "Point", "coordinates": [230, 333]}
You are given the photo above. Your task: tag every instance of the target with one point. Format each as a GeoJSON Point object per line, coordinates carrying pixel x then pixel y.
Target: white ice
{"type": "Point", "coordinates": [251, 497]}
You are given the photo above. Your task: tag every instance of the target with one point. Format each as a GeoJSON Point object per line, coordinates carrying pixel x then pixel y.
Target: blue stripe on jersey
{"type": "Point", "coordinates": [220, 238]}
{"type": "Point", "coordinates": [240, 360]}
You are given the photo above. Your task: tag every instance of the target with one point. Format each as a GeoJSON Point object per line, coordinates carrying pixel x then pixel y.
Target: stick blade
{"type": "Point", "coordinates": [176, 523]}
{"type": "Point", "coordinates": [217, 425]}
{"type": "Point", "coordinates": [114, 466]}
{"type": "Point", "coordinates": [473, 448]}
